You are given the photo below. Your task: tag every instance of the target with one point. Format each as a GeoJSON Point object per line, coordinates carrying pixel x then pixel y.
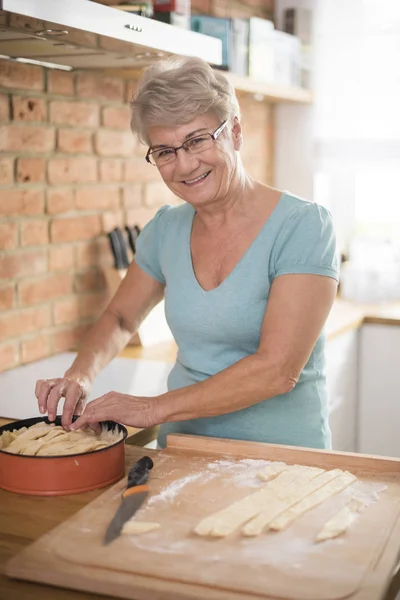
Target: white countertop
{"type": "Point", "coordinates": [129, 376]}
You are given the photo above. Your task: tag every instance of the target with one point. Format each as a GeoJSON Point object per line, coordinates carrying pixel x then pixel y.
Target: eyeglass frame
{"type": "Point", "coordinates": [214, 136]}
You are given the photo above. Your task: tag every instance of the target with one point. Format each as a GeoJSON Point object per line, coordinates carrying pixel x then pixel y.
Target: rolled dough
{"type": "Point", "coordinates": [288, 496]}
{"type": "Point", "coordinates": [137, 527]}
{"type": "Point", "coordinates": [340, 522]}
{"type": "Point", "coordinates": [312, 500]}
{"type": "Point", "coordinates": [228, 519]}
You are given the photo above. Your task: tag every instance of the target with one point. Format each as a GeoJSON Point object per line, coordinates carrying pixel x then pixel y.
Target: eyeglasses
{"type": "Point", "coordinates": [200, 143]}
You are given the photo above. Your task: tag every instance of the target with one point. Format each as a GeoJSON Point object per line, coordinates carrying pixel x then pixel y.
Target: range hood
{"type": "Point", "coordinates": [85, 35]}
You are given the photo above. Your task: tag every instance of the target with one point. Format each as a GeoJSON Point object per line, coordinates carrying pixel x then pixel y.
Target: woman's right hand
{"type": "Point", "coordinates": [74, 390]}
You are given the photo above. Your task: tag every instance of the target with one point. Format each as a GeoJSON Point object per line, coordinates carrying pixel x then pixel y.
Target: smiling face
{"type": "Point", "coordinates": [203, 178]}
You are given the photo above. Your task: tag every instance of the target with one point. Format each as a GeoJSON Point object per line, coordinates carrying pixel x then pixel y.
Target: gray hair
{"type": "Point", "coordinates": [177, 90]}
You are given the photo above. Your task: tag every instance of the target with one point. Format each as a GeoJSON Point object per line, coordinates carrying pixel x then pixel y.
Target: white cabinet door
{"type": "Point", "coordinates": [379, 390]}
{"type": "Point", "coordinates": [341, 372]}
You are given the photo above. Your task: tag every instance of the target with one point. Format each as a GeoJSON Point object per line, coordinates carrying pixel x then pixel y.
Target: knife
{"type": "Point", "coordinates": [132, 498]}
{"type": "Point", "coordinates": [133, 234]}
{"type": "Point", "coordinates": [116, 250]}
{"type": "Point", "coordinates": [122, 246]}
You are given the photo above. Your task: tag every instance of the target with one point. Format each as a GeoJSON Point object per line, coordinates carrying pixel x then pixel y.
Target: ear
{"type": "Point", "coordinates": [237, 134]}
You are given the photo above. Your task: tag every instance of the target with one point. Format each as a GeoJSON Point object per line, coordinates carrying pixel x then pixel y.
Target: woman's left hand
{"type": "Point", "coordinates": [135, 411]}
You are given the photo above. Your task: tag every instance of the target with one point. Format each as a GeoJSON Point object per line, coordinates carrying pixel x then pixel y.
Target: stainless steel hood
{"type": "Point", "coordinates": [84, 35]}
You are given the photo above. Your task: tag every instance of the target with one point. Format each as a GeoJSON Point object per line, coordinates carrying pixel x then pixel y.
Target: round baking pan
{"type": "Point", "coordinates": [61, 475]}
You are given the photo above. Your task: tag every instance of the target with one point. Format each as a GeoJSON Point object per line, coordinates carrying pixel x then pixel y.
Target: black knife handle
{"type": "Point", "coordinates": [139, 473]}
{"type": "Point", "coordinates": [132, 236]}
{"type": "Point", "coordinates": [115, 247]}
{"type": "Point", "coordinates": [122, 246]}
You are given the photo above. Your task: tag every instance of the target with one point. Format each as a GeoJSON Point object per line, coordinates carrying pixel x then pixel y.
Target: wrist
{"type": "Point", "coordinates": [82, 379]}
{"type": "Point", "coordinates": [157, 410]}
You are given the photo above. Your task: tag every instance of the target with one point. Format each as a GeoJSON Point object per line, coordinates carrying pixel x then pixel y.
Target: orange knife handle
{"type": "Point", "coordinates": [135, 490]}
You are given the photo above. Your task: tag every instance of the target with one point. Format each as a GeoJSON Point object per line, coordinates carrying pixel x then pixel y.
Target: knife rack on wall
{"type": "Point", "coordinates": [154, 328]}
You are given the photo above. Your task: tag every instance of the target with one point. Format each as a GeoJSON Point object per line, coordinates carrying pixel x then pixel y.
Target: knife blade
{"type": "Point", "coordinates": [132, 499]}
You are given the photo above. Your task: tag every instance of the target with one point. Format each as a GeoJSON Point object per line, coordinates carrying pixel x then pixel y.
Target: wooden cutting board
{"type": "Point", "coordinates": [194, 477]}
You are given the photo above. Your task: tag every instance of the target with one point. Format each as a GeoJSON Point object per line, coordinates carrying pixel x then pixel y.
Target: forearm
{"type": "Point", "coordinates": [250, 380]}
{"type": "Point", "coordinates": [104, 341]}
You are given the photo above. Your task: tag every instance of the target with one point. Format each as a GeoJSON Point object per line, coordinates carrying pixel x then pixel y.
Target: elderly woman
{"type": "Point", "coordinates": [249, 275]}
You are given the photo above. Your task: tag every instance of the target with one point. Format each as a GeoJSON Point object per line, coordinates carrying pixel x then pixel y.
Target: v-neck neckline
{"type": "Point", "coordinates": [230, 275]}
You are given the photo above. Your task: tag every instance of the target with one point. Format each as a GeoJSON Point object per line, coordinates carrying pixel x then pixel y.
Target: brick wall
{"type": "Point", "coordinates": [70, 171]}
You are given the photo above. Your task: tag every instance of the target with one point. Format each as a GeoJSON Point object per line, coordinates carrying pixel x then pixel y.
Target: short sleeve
{"type": "Point", "coordinates": [307, 243]}
{"type": "Point", "coordinates": [148, 245]}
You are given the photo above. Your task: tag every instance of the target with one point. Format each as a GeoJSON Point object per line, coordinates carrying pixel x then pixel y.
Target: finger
{"type": "Point", "coordinates": [54, 397]}
{"type": "Point", "coordinates": [73, 399]}
{"type": "Point", "coordinates": [42, 390]}
{"type": "Point", "coordinates": [87, 418]}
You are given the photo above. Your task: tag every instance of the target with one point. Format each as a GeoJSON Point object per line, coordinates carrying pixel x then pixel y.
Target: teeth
{"type": "Point", "coordinates": [197, 178]}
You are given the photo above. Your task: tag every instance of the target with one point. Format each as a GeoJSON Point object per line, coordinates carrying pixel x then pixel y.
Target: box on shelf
{"type": "Point", "coordinates": [287, 52]}
{"type": "Point", "coordinates": [173, 18]}
{"type": "Point", "coordinates": [298, 22]}
{"type": "Point", "coordinates": [261, 50]}
{"type": "Point", "coordinates": [178, 6]}
{"type": "Point", "coordinates": [219, 28]}
{"type": "Point", "coordinates": [240, 47]}
{"type": "Point", "coordinates": [173, 12]}
{"type": "Point", "coordinates": [141, 8]}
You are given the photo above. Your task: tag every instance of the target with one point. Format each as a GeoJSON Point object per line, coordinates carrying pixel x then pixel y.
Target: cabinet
{"type": "Point", "coordinates": [342, 377]}
{"type": "Point", "coordinates": [379, 390]}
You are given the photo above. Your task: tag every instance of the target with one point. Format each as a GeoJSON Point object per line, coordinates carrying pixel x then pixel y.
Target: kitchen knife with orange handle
{"type": "Point", "coordinates": [132, 499]}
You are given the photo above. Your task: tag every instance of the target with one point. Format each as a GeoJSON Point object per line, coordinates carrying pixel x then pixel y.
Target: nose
{"type": "Point", "coordinates": [186, 162]}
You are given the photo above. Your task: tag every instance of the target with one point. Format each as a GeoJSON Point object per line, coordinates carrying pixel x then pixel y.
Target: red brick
{"type": "Point", "coordinates": [22, 264]}
{"type": "Point", "coordinates": [139, 216]}
{"type": "Point", "coordinates": [93, 253]}
{"type": "Point", "coordinates": [75, 229]}
{"type": "Point", "coordinates": [202, 7]}
{"type": "Point", "coordinates": [26, 138]}
{"type": "Point", "coordinates": [6, 171]}
{"type": "Point", "coordinates": [59, 201]}
{"type": "Point", "coordinates": [91, 281]}
{"type": "Point", "coordinates": [72, 170]}
{"type": "Point", "coordinates": [61, 258]}
{"type": "Point", "coordinates": [25, 108]}
{"type": "Point", "coordinates": [130, 89]}
{"type": "Point", "coordinates": [15, 203]}
{"type": "Point", "coordinates": [36, 347]}
{"type": "Point", "coordinates": [111, 219]}
{"type": "Point", "coordinates": [4, 107]}
{"type": "Point", "coordinates": [99, 87]}
{"type": "Point", "coordinates": [18, 322]}
{"type": "Point", "coordinates": [66, 310]}
{"type": "Point", "coordinates": [157, 194]}
{"type": "Point", "coordinates": [30, 170]}
{"type": "Point", "coordinates": [97, 197]}
{"type": "Point", "coordinates": [21, 76]}
{"type": "Point", "coordinates": [9, 356]}
{"type": "Point", "coordinates": [74, 113]}
{"type": "Point", "coordinates": [132, 195]}
{"type": "Point", "coordinates": [114, 143]}
{"type": "Point", "coordinates": [73, 140]}
{"type": "Point", "coordinates": [110, 170]}
{"type": "Point", "coordinates": [139, 171]}
{"type": "Point", "coordinates": [34, 232]}
{"type": "Point", "coordinates": [60, 82]}
{"type": "Point", "coordinates": [92, 305]}
{"type": "Point", "coordinates": [69, 339]}
{"type": "Point", "coordinates": [8, 235]}
{"type": "Point", "coordinates": [116, 117]}
{"type": "Point", "coordinates": [44, 289]}
{"type": "Point", "coordinates": [7, 296]}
